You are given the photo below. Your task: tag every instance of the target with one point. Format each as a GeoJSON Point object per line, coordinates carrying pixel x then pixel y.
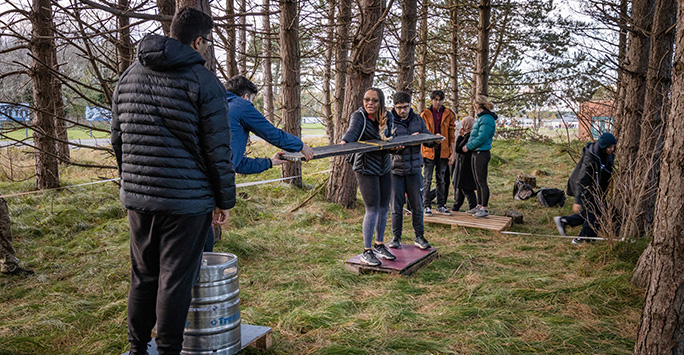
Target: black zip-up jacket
{"type": "Point", "coordinates": [463, 170]}
{"type": "Point", "coordinates": [591, 176]}
{"type": "Point", "coordinates": [372, 163]}
{"type": "Point", "coordinates": [409, 160]}
{"type": "Point", "coordinates": [171, 134]}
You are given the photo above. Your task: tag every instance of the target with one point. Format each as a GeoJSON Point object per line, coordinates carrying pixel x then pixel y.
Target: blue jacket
{"type": "Point", "coordinates": [170, 133]}
{"type": "Point", "coordinates": [483, 131]}
{"type": "Point", "coordinates": [409, 160]}
{"type": "Point", "coordinates": [245, 118]}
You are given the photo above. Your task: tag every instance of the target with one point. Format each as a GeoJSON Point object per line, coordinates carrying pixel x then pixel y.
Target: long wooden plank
{"type": "Point", "coordinates": [494, 223]}
{"type": "Point", "coordinates": [365, 146]}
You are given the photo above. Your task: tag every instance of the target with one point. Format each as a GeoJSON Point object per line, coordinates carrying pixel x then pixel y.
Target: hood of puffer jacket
{"type": "Point", "coordinates": [162, 53]}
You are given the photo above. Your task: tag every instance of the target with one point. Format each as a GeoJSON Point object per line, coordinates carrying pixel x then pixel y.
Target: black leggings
{"type": "Point", "coordinates": [480, 161]}
{"type": "Point", "coordinates": [376, 192]}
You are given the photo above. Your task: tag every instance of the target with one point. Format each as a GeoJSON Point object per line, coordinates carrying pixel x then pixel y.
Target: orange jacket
{"type": "Point", "coordinates": [447, 128]}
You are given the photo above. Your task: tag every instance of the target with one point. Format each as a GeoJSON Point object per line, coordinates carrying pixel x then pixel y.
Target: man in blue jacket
{"type": "Point", "coordinates": [245, 118]}
{"type": "Point", "coordinates": [171, 137]}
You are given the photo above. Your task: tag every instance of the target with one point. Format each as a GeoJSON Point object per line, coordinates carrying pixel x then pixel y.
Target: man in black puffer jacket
{"type": "Point", "coordinates": [406, 177]}
{"type": "Point", "coordinates": [171, 136]}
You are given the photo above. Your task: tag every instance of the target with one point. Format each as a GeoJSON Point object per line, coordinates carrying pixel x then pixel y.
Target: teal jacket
{"type": "Point", "coordinates": [483, 131]}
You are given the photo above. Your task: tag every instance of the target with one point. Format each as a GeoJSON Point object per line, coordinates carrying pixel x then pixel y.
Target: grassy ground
{"type": "Point", "coordinates": [486, 294]}
{"type": "Point", "coordinates": [74, 133]}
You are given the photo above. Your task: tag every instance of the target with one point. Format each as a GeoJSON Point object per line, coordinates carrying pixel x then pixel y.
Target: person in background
{"type": "Point", "coordinates": [442, 122]}
{"type": "Point", "coordinates": [589, 182]}
{"type": "Point", "coordinates": [480, 144]}
{"type": "Point", "coordinates": [245, 118]}
{"type": "Point", "coordinates": [171, 139]}
{"type": "Point", "coordinates": [406, 177]}
{"type": "Point", "coordinates": [372, 170]}
{"type": "Point", "coordinates": [9, 264]}
{"type": "Point", "coordinates": [463, 180]}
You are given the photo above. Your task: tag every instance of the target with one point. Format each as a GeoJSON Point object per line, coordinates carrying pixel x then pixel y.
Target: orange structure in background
{"type": "Point", "coordinates": [595, 117]}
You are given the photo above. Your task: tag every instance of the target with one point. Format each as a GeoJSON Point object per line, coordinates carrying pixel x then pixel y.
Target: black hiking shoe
{"type": "Point", "coordinates": [19, 271]}
{"type": "Point", "coordinates": [381, 251]}
{"type": "Point", "coordinates": [368, 258]}
{"type": "Point", "coordinates": [395, 243]}
{"type": "Point", "coordinates": [422, 243]}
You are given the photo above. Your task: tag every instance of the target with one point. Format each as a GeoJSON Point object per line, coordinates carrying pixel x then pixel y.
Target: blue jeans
{"type": "Point", "coordinates": [402, 187]}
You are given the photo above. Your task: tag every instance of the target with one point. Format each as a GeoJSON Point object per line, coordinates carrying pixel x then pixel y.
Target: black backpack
{"type": "Point", "coordinates": [522, 190]}
{"type": "Point", "coordinates": [551, 197]}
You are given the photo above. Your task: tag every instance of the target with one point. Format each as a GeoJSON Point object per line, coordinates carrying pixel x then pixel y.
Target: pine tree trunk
{"type": "Point", "coordinates": [43, 123]}
{"type": "Point", "coordinates": [453, 72]}
{"type": "Point", "coordinates": [630, 106]}
{"type": "Point", "coordinates": [289, 56]}
{"type": "Point", "coordinates": [422, 56]}
{"type": "Point", "coordinates": [407, 45]}
{"type": "Point", "coordinates": [342, 45]}
{"type": "Point", "coordinates": [341, 187]}
{"type": "Point", "coordinates": [482, 58]}
{"type": "Point", "coordinates": [268, 72]}
{"type": "Point", "coordinates": [168, 8]}
{"type": "Point", "coordinates": [62, 142]}
{"type": "Point", "coordinates": [242, 39]}
{"type": "Point", "coordinates": [327, 76]}
{"type": "Point", "coordinates": [231, 60]}
{"type": "Point", "coordinates": [658, 80]}
{"type": "Point", "coordinates": [661, 329]}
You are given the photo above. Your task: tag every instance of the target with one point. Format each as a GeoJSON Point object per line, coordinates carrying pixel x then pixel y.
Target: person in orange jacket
{"type": "Point", "coordinates": [440, 121]}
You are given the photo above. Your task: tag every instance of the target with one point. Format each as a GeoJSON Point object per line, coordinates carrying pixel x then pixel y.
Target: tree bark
{"type": "Point", "coordinates": [342, 45]}
{"type": "Point", "coordinates": [268, 72]}
{"type": "Point", "coordinates": [124, 46]}
{"type": "Point", "coordinates": [168, 8]}
{"type": "Point", "coordinates": [342, 185]}
{"type": "Point", "coordinates": [661, 329]}
{"type": "Point", "coordinates": [242, 39]}
{"type": "Point", "coordinates": [482, 58]}
{"type": "Point", "coordinates": [231, 60]}
{"type": "Point", "coordinates": [328, 121]}
{"type": "Point", "coordinates": [641, 205]}
{"type": "Point", "coordinates": [43, 123]}
{"type": "Point", "coordinates": [422, 56]}
{"type": "Point", "coordinates": [289, 56]}
{"type": "Point", "coordinates": [630, 106]}
{"type": "Point", "coordinates": [453, 72]}
{"type": "Point", "coordinates": [62, 144]}
{"type": "Point", "coordinates": [407, 45]}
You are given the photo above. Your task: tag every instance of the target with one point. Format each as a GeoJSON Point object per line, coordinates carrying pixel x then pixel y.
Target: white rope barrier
{"type": "Point", "coordinates": [244, 184]}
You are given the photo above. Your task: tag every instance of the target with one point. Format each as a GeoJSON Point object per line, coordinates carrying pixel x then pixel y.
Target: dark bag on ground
{"type": "Point", "coordinates": [522, 190]}
{"type": "Point", "coordinates": [551, 197]}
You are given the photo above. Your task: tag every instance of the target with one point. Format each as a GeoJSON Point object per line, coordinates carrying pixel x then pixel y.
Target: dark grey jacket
{"type": "Point", "coordinates": [171, 134]}
{"type": "Point", "coordinates": [372, 163]}
{"type": "Point", "coordinates": [409, 160]}
{"type": "Point", "coordinates": [463, 170]}
{"type": "Point", "coordinates": [591, 176]}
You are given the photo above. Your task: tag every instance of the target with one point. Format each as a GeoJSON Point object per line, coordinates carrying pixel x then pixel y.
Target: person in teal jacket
{"type": "Point", "coordinates": [480, 144]}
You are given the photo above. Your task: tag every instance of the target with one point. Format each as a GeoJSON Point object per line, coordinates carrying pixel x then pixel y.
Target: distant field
{"type": "Point", "coordinates": [73, 134]}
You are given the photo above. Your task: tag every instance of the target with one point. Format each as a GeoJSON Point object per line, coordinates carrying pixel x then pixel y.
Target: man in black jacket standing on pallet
{"type": "Point", "coordinates": [171, 136]}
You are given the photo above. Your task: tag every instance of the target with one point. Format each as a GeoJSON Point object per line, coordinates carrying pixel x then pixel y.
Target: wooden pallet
{"type": "Point", "coordinates": [253, 336]}
{"type": "Point", "coordinates": [365, 146]}
{"type": "Point", "coordinates": [409, 259]}
{"type": "Point", "coordinates": [460, 219]}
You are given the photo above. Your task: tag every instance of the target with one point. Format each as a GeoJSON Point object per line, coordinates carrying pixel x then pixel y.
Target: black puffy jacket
{"type": "Point", "coordinates": [409, 160]}
{"type": "Point", "coordinates": [171, 134]}
{"type": "Point", "coordinates": [463, 170]}
{"type": "Point", "coordinates": [372, 163]}
{"type": "Point", "coordinates": [591, 177]}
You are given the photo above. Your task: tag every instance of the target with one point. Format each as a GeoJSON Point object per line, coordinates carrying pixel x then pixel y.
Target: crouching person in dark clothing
{"type": "Point", "coordinates": [406, 176]}
{"type": "Point", "coordinates": [464, 182]}
{"type": "Point", "coordinates": [171, 137]}
{"type": "Point", "coordinates": [588, 183]}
